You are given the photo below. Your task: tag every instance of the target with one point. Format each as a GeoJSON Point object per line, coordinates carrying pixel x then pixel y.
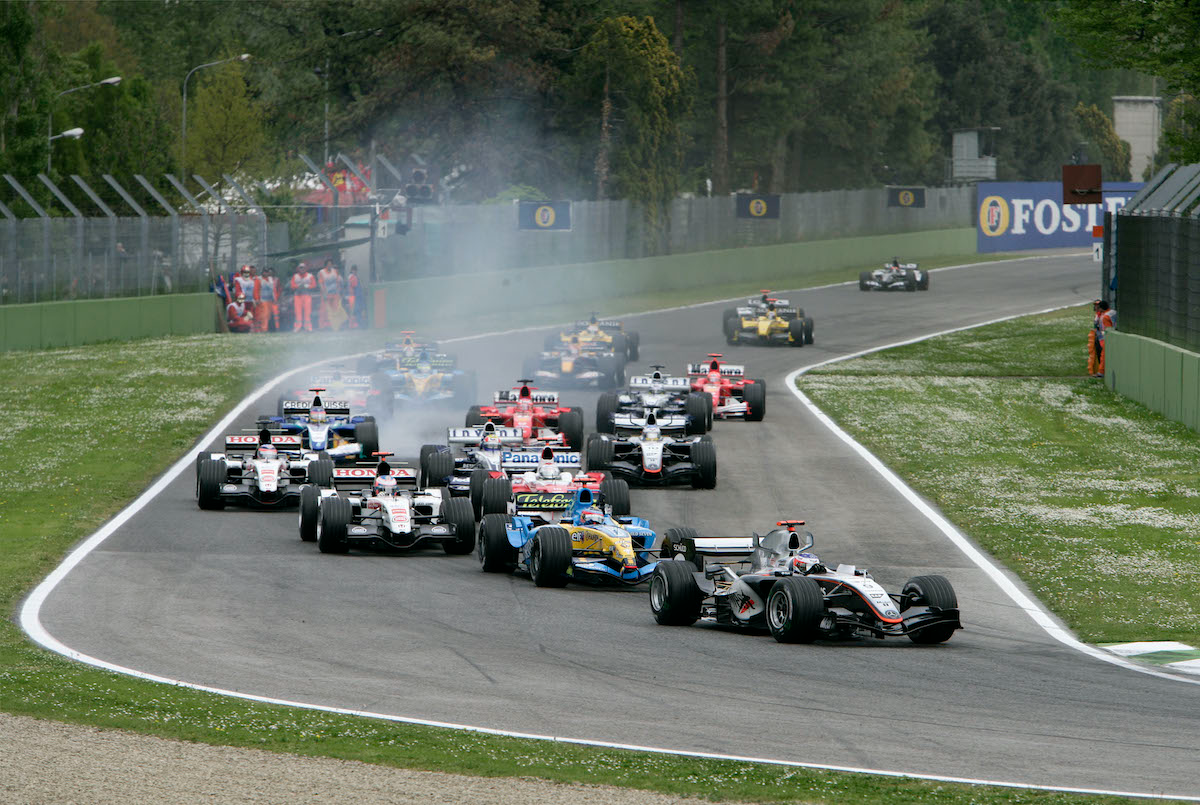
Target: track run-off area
{"type": "Point", "coordinates": [233, 601]}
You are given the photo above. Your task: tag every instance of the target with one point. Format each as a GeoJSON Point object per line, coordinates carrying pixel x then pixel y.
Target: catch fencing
{"type": "Point", "coordinates": [1158, 259]}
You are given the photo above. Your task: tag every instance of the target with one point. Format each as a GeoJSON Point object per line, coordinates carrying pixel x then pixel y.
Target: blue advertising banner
{"type": "Point", "coordinates": [545, 215]}
{"type": "Point", "coordinates": [1016, 216]}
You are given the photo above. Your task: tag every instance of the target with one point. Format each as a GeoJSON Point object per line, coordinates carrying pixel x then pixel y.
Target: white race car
{"type": "Point", "coordinates": [264, 470]}
{"type": "Point", "coordinates": [894, 276]}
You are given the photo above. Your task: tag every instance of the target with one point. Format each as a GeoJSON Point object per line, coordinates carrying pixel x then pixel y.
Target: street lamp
{"type": "Point", "coordinates": [183, 128]}
{"type": "Point", "coordinates": [112, 81]}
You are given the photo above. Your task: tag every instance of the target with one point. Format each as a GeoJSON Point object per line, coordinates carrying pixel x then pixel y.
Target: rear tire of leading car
{"type": "Point", "coordinates": [864, 277]}
{"type": "Point", "coordinates": [310, 512]}
{"type": "Point", "coordinates": [320, 472]}
{"type": "Point", "coordinates": [550, 557]}
{"type": "Point", "coordinates": [675, 598]}
{"type": "Point", "coordinates": [704, 458]}
{"type": "Point", "coordinates": [479, 477]}
{"type": "Point", "coordinates": [923, 283]}
{"type": "Point", "coordinates": [496, 554]}
{"type": "Point", "coordinates": [729, 321]}
{"type": "Point", "coordinates": [808, 330]}
{"type": "Point", "coordinates": [333, 526]}
{"type": "Point", "coordinates": [439, 467]}
{"type": "Point", "coordinates": [474, 417]}
{"type": "Point", "coordinates": [606, 406]}
{"type": "Point", "coordinates": [367, 436]}
{"type": "Point", "coordinates": [570, 424]}
{"type": "Point", "coordinates": [209, 478]}
{"type": "Point", "coordinates": [698, 407]}
{"type": "Point", "coordinates": [755, 396]}
{"type": "Point", "coordinates": [599, 454]}
{"type": "Point", "coordinates": [933, 591]}
{"type": "Point", "coordinates": [635, 346]}
{"type": "Point", "coordinates": [496, 494]}
{"type": "Point", "coordinates": [795, 607]}
{"type": "Point", "coordinates": [674, 543]}
{"type": "Point", "coordinates": [615, 492]}
{"type": "Point", "coordinates": [796, 332]}
{"type": "Point", "coordinates": [457, 512]}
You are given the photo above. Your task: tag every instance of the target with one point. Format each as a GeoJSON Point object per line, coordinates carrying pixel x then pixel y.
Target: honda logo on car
{"type": "Point", "coordinates": [1030, 215]}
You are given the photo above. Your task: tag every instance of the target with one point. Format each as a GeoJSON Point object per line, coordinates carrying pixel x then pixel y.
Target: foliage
{"type": "Point", "coordinates": [225, 133]}
{"type": "Point", "coordinates": [26, 65]}
{"type": "Point", "coordinates": [516, 192]}
{"type": "Point", "coordinates": [1179, 141]}
{"type": "Point", "coordinates": [1113, 152]}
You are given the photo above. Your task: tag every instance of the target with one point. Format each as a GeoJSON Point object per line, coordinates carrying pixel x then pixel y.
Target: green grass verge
{"type": "Point", "coordinates": [96, 424]}
{"type": "Point", "coordinates": [1090, 497]}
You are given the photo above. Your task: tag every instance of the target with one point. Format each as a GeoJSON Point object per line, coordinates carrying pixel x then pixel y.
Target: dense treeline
{"type": "Point", "coordinates": [583, 99]}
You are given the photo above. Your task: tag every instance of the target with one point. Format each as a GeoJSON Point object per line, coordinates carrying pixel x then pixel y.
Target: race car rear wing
{"type": "Point", "coordinates": [284, 442]}
{"type": "Point", "coordinates": [603, 324]}
{"type": "Point", "coordinates": [727, 369]}
{"type": "Point", "coordinates": [536, 397]}
{"type": "Point", "coordinates": [473, 436]}
{"type": "Point", "coordinates": [723, 550]}
{"type": "Point", "coordinates": [529, 460]}
{"type": "Point", "coordinates": [665, 422]}
{"type": "Point", "coordinates": [335, 408]}
{"type": "Point", "coordinates": [362, 476]}
{"type": "Point", "coordinates": [439, 361]}
{"type": "Point", "coordinates": [902, 265]}
{"type": "Point", "coordinates": [669, 383]}
{"type": "Point", "coordinates": [329, 381]}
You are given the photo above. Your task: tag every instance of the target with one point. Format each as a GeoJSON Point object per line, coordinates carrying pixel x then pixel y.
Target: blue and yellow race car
{"type": "Point", "coordinates": [325, 428]}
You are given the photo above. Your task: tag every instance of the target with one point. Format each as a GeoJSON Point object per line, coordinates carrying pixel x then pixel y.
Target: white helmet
{"type": "Point", "coordinates": [385, 485]}
{"type": "Point", "coordinates": [490, 442]}
{"type": "Point", "coordinates": [651, 433]}
{"type": "Point", "coordinates": [548, 471]}
{"type": "Point", "coordinates": [316, 415]}
{"type": "Point", "coordinates": [267, 452]}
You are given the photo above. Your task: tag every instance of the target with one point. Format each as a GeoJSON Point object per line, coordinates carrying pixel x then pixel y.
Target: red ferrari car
{"type": "Point", "coordinates": [536, 414]}
{"type": "Point", "coordinates": [732, 394]}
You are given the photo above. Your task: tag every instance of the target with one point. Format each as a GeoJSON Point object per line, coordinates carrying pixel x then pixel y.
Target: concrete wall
{"type": "Point", "coordinates": [1162, 377]}
{"type": "Point", "coordinates": [90, 321]}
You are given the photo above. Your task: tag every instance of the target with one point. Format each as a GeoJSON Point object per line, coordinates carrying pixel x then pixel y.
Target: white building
{"type": "Point", "coordinates": [1137, 120]}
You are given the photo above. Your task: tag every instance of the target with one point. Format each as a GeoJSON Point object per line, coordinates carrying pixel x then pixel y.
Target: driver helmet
{"type": "Point", "coordinates": [591, 517]}
{"type": "Point", "coordinates": [895, 262]}
{"type": "Point", "coordinates": [267, 452]}
{"type": "Point", "coordinates": [490, 442]}
{"type": "Point", "coordinates": [384, 485]}
{"type": "Point", "coordinates": [548, 471]}
{"type": "Point", "coordinates": [316, 415]}
{"type": "Point", "coordinates": [424, 367]}
{"type": "Point", "coordinates": [652, 433]}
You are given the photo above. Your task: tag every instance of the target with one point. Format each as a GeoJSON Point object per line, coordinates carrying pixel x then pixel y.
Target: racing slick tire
{"type": "Point", "coordinates": [698, 407]}
{"type": "Point", "coordinates": [808, 329]}
{"type": "Point", "coordinates": [910, 281]}
{"type": "Point", "coordinates": [496, 554]}
{"type": "Point", "coordinates": [333, 526]}
{"type": "Point", "coordinates": [599, 454]}
{"type": "Point", "coordinates": [615, 492]}
{"type": "Point", "coordinates": [933, 591]}
{"type": "Point", "coordinates": [570, 424]}
{"type": "Point", "coordinates": [458, 513]}
{"type": "Point", "coordinates": [367, 435]}
{"type": "Point", "coordinates": [675, 598]}
{"type": "Point", "coordinates": [550, 556]}
{"type": "Point", "coordinates": [439, 467]}
{"type": "Point", "coordinates": [674, 543]}
{"type": "Point", "coordinates": [427, 450]}
{"type": "Point", "coordinates": [635, 346]}
{"type": "Point", "coordinates": [310, 511]}
{"type": "Point", "coordinates": [202, 456]}
{"type": "Point", "coordinates": [923, 283]}
{"type": "Point", "coordinates": [606, 406]}
{"type": "Point", "coordinates": [731, 335]}
{"type": "Point", "coordinates": [704, 458]}
{"type": "Point", "coordinates": [474, 417]}
{"type": "Point", "coordinates": [496, 494]}
{"type": "Point", "coordinates": [209, 478]}
{"type": "Point", "coordinates": [479, 477]}
{"type": "Point", "coordinates": [729, 321]}
{"type": "Point", "coordinates": [864, 277]}
{"type": "Point", "coordinates": [320, 472]}
{"type": "Point", "coordinates": [755, 395]}
{"type": "Point", "coordinates": [796, 332]}
{"type": "Point", "coordinates": [795, 607]}
{"type": "Point", "coordinates": [620, 347]}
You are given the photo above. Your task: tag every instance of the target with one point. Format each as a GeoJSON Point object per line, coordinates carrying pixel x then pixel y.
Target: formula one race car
{"type": "Point", "coordinates": [427, 378]}
{"type": "Point", "coordinates": [774, 324]}
{"type": "Point", "coordinates": [536, 414]}
{"type": "Point", "coordinates": [487, 452]}
{"type": "Point", "coordinates": [327, 428]}
{"type": "Point", "coordinates": [378, 506]}
{"type": "Point", "coordinates": [407, 348]}
{"type": "Point", "coordinates": [513, 494]}
{"type": "Point", "coordinates": [576, 364]}
{"type": "Point", "coordinates": [677, 407]}
{"type": "Point", "coordinates": [651, 458]}
{"type": "Point", "coordinates": [583, 543]}
{"type": "Point", "coordinates": [264, 470]}
{"type": "Point", "coordinates": [894, 276]}
{"type": "Point", "coordinates": [340, 382]}
{"type": "Point", "coordinates": [784, 589]}
{"type": "Point", "coordinates": [733, 396]}
{"type": "Point", "coordinates": [608, 332]}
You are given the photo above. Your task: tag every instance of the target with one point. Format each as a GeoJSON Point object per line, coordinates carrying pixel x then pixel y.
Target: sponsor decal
{"type": "Point", "coordinates": [742, 603]}
{"type": "Point", "coordinates": [241, 440]}
{"type": "Point", "coordinates": [543, 501]}
{"type": "Point", "coordinates": [534, 459]}
{"type": "Point", "coordinates": [1014, 216]}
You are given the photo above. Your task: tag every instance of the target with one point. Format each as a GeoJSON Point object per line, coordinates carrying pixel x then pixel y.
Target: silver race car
{"type": "Point", "coordinates": [894, 276]}
{"type": "Point", "coordinates": [652, 458]}
{"type": "Point", "coordinates": [677, 408]}
{"type": "Point", "coordinates": [262, 470]}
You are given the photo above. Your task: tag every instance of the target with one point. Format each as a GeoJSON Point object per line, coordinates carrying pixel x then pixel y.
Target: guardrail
{"type": "Point", "coordinates": [1163, 377]}
{"type": "Point", "coordinates": [90, 321]}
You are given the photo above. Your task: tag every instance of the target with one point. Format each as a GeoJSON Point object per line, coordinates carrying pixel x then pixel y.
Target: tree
{"type": "Point", "coordinates": [1114, 153]}
{"type": "Point", "coordinates": [225, 128]}
{"type": "Point", "coordinates": [27, 67]}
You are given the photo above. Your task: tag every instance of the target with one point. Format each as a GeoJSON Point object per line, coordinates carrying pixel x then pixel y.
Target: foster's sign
{"type": "Point", "coordinates": [1014, 216]}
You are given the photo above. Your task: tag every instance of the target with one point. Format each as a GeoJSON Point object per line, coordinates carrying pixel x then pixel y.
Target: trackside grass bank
{"type": "Point", "coordinates": [1093, 499]}
{"type": "Point", "coordinates": [89, 428]}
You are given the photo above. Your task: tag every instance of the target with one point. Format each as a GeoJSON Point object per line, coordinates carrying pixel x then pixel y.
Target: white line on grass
{"type": "Point", "coordinates": [31, 608]}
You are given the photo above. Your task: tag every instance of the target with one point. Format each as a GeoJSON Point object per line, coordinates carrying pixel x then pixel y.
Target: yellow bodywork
{"type": "Point", "coordinates": [422, 385]}
{"type": "Point", "coordinates": [595, 542]}
{"type": "Point", "coordinates": [765, 326]}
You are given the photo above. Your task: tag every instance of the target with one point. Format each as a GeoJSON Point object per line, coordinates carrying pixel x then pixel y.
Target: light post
{"type": "Point", "coordinates": [183, 127]}
{"type": "Point", "coordinates": [107, 82]}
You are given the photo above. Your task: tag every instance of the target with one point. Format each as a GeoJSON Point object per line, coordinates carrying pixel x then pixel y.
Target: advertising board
{"type": "Point", "coordinates": [1018, 216]}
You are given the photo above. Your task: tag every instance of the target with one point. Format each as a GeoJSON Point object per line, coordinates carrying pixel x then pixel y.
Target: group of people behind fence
{"type": "Point", "coordinates": [254, 300]}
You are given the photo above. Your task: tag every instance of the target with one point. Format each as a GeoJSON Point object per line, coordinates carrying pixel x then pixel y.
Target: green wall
{"type": "Point", "coordinates": [89, 321]}
{"type": "Point", "coordinates": [781, 265]}
{"type": "Point", "coordinates": [1163, 377]}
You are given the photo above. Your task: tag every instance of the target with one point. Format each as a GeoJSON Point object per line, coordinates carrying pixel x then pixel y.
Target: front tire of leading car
{"type": "Point", "coordinates": [496, 554]}
{"type": "Point", "coordinates": [675, 598]}
{"type": "Point", "coordinates": [795, 607]}
{"type": "Point", "coordinates": [458, 513]}
{"type": "Point", "coordinates": [755, 395]}
{"type": "Point", "coordinates": [310, 511]}
{"type": "Point", "coordinates": [932, 591]}
{"type": "Point", "coordinates": [209, 477]}
{"type": "Point", "coordinates": [334, 526]}
{"type": "Point", "coordinates": [550, 556]}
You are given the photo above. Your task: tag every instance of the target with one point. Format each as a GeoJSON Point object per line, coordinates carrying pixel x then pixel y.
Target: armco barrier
{"type": "Point", "coordinates": [420, 301]}
{"type": "Point", "coordinates": [1161, 376]}
{"type": "Point", "coordinates": [90, 321]}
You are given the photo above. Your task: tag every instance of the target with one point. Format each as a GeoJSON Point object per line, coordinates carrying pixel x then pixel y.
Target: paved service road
{"type": "Point", "coordinates": [234, 599]}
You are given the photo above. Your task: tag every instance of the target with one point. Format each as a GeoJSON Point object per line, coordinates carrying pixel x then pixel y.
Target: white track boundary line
{"type": "Point", "coordinates": [30, 620]}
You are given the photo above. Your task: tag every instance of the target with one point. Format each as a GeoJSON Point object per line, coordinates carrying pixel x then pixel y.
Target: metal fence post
{"type": "Point", "coordinates": [145, 224]}
{"type": "Point", "coordinates": [10, 257]}
{"type": "Point", "coordinates": [110, 254]}
{"type": "Point", "coordinates": [71, 208]}
{"type": "Point", "coordinates": [47, 263]}
{"type": "Point", "coordinates": [233, 249]}
{"type": "Point", "coordinates": [262, 215]}
{"type": "Point", "coordinates": [171, 211]}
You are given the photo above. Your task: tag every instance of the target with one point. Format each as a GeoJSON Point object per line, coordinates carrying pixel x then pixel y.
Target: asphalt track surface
{"type": "Point", "coordinates": [234, 600]}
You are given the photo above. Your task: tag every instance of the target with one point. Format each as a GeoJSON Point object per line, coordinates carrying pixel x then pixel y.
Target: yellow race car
{"type": "Point", "coordinates": [596, 331]}
{"type": "Point", "coordinates": [772, 324]}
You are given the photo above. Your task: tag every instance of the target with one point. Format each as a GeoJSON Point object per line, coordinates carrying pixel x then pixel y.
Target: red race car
{"type": "Point", "coordinates": [732, 394]}
{"type": "Point", "coordinates": [547, 490]}
{"type": "Point", "coordinates": [536, 414]}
